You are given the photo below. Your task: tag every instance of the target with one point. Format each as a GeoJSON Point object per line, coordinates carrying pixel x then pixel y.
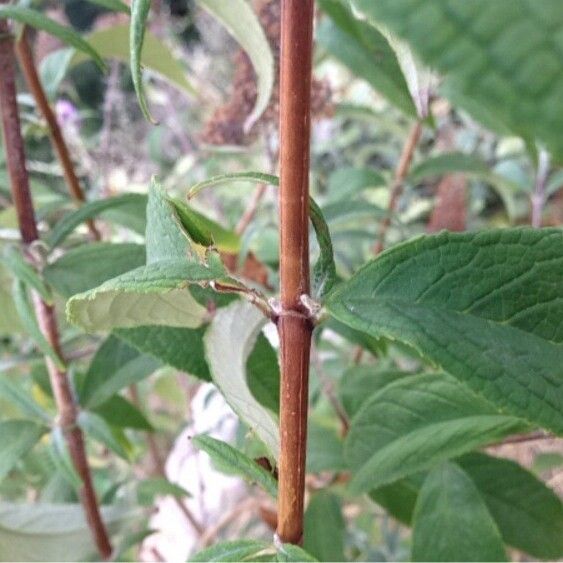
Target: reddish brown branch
{"type": "Point", "coordinates": [397, 187]}
{"type": "Point", "coordinates": [19, 183]}
{"type": "Point", "coordinates": [27, 64]}
{"type": "Point", "coordinates": [294, 325]}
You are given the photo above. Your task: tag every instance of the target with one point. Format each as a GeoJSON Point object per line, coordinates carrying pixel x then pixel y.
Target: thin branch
{"type": "Point", "coordinates": [294, 325]}
{"type": "Point", "coordinates": [19, 183]}
{"type": "Point", "coordinates": [27, 64]}
{"type": "Point", "coordinates": [538, 197]}
{"type": "Point", "coordinates": [397, 187]}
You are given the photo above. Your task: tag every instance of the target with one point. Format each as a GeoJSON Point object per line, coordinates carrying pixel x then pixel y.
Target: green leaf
{"type": "Point", "coordinates": [529, 515]}
{"type": "Point", "coordinates": [466, 302]}
{"type": "Point", "coordinates": [228, 179]}
{"type": "Point", "coordinates": [228, 343]}
{"type": "Point", "coordinates": [290, 552]}
{"type": "Point", "coordinates": [263, 374]}
{"type": "Point", "coordinates": [324, 449]}
{"type": "Point", "coordinates": [324, 527]}
{"type": "Point", "coordinates": [114, 5]}
{"type": "Point", "coordinates": [149, 489]}
{"type": "Point", "coordinates": [139, 14]}
{"type": "Point", "coordinates": [29, 322]}
{"type": "Point", "coordinates": [416, 422]}
{"type": "Point", "coordinates": [18, 437]}
{"type": "Point", "coordinates": [96, 427]}
{"type": "Point", "coordinates": [19, 397]}
{"type": "Point", "coordinates": [451, 521]}
{"type": "Point", "coordinates": [489, 53]}
{"type": "Point", "coordinates": [23, 271]}
{"type": "Point", "coordinates": [155, 294]}
{"type": "Point", "coordinates": [229, 460]}
{"type": "Point", "coordinates": [113, 43]}
{"type": "Point", "coordinates": [9, 319]}
{"type": "Point", "coordinates": [399, 498]}
{"type": "Point", "coordinates": [87, 211]}
{"type": "Point", "coordinates": [348, 181]}
{"type": "Point", "coordinates": [116, 365]}
{"type": "Point", "coordinates": [40, 21]}
{"type": "Point", "coordinates": [87, 266]}
{"type": "Point", "coordinates": [120, 412]}
{"type": "Point", "coordinates": [241, 22]}
{"type": "Point", "coordinates": [237, 550]}
{"type": "Point", "coordinates": [62, 460]}
{"type": "Point", "coordinates": [365, 52]}
{"type": "Point", "coordinates": [181, 348]}
{"type": "Point", "coordinates": [51, 532]}
{"type": "Point", "coordinates": [53, 68]}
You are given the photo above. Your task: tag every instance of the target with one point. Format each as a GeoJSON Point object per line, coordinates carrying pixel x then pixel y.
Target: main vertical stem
{"type": "Point", "coordinates": [19, 182]}
{"type": "Point", "coordinates": [294, 324]}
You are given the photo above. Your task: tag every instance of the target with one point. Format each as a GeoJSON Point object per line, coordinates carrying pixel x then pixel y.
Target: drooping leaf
{"type": "Point", "coordinates": [234, 462]}
{"type": "Point", "coordinates": [18, 437]}
{"type": "Point", "coordinates": [467, 302]}
{"type": "Point", "coordinates": [489, 53]}
{"type": "Point", "coordinates": [528, 514]}
{"type": "Point", "coordinates": [324, 527]}
{"type": "Point", "coordinates": [120, 412]}
{"type": "Point", "coordinates": [139, 14]}
{"type": "Point", "coordinates": [416, 422]}
{"type": "Point", "coordinates": [115, 366]}
{"type": "Point", "coordinates": [365, 52]}
{"type": "Point", "coordinates": [87, 266]}
{"type": "Point", "coordinates": [228, 343]}
{"type": "Point", "coordinates": [237, 550]}
{"type": "Point", "coordinates": [181, 348]}
{"type": "Point", "coordinates": [51, 532]}
{"type": "Point", "coordinates": [241, 22]}
{"type": "Point", "coordinates": [263, 374]}
{"type": "Point", "coordinates": [451, 520]}
{"type": "Point", "coordinates": [40, 21]}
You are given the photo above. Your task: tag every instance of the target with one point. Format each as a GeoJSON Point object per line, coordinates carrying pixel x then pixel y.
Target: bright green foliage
{"type": "Point", "coordinates": [228, 344]}
{"type": "Point", "coordinates": [451, 521]}
{"type": "Point", "coordinates": [263, 374]}
{"type": "Point", "coordinates": [18, 437]}
{"type": "Point", "coordinates": [414, 423]}
{"type": "Point", "coordinates": [238, 550]}
{"type": "Point", "coordinates": [120, 412]}
{"type": "Point", "coordinates": [467, 303]}
{"type": "Point", "coordinates": [324, 527]}
{"type": "Point", "coordinates": [231, 461]}
{"type": "Point", "coordinates": [499, 58]}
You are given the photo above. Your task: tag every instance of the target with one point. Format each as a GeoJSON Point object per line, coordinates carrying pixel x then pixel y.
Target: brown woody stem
{"type": "Point", "coordinates": [27, 64]}
{"type": "Point", "coordinates": [399, 177]}
{"type": "Point", "coordinates": [294, 326]}
{"type": "Point", "coordinates": [19, 182]}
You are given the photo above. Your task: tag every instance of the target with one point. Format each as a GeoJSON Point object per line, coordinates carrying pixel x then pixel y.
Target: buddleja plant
{"type": "Point", "coordinates": [482, 312]}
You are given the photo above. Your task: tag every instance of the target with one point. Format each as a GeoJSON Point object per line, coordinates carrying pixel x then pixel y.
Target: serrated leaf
{"type": "Point", "coordinates": [229, 340]}
{"type": "Point", "coordinates": [365, 52]}
{"type": "Point", "coordinates": [528, 514]}
{"type": "Point", "coordinates": [120, 412]}
{"type": "Point", "coordinates": [114, 366]}
{"type": "Point", "coordinates": [416, 422]}
{"type": "Point", "coordinates": [181, 348]}
{"type": "Point", "coordinates": [87, 266]}
{"type": "Point", "coordinates": [324, 527]}
{"type": "Point", "coordinates": [451, 521]}
{"type": "Point", "coordinates": [489, 53]}
{"type": "Point", "coordinates": [483, 306]}
{"type": "Point", "coordinates": [51, 532]}
{"type": "Point", "coordinates": [40, 21]}
{"type": "Point", "coordinates": [18, 437]}
{"type": "Point", "coordinates": [237, 550]}
{"type": "Point", "coordinates": [231, 461]}
{"type": "Point", "coordinates": [241, 22]}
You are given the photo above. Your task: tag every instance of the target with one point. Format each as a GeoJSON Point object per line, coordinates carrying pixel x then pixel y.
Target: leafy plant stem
{"type": "Point", "coordinates": [19, 181]}
{"type": "Point", "coordinates": [27, 64]}
{"type": "Point", "coordinates": [294, 325]}
{"type": "Point", "coordinates": [538, 197]}
{"type": "Point", "coordinates": [401, 172]}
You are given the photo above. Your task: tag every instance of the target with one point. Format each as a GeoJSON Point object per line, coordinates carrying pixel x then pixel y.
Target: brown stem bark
{"type": "Point", "coordinates": [27, 64]}
{"type": "Point", "coordinates": [19, 182]}
{"type": "Point", "coordinates": [294, 325]}
{"type": "Point", "coordinates": [397, 187]}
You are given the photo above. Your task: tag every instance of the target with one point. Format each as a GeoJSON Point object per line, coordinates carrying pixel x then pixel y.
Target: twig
{"type": "Point", "coordinates": [19, 183]}
{"type": "Point", "coordinates": [27, 64]}
{"type": "Point", "coordinates": [538, 197]}
{"type": "Point", "coordinates": [532, 437]}
{"type": "Point", "coordinates": [294, 325]}
{"type": "Point", "coordinates": [397, 187]}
